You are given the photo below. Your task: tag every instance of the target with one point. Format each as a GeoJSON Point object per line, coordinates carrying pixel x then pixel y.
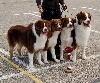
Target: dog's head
{"type": "Point", "coordinates": [83, 18]}
{"type": "Point", "coordinates": [68, 22]}
{"type": "Point", "coordinates": [42, 27]}
{"type": "Point", "coordinates": [56, 25]}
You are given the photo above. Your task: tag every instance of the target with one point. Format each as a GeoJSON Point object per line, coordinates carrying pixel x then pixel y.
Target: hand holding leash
{"type": "Point", "coordinates": [64, 7]}
{"type": "Point", "coordinates": [40, 9]}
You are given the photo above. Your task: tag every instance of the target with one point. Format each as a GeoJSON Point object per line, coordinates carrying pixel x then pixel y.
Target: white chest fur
{"type": "Point", "coordinates": [53, 39]}
{"type": "Point", "coordinates": [82, 34]}
{"type": "Point", "coordinates": [66, 36]}
{"type": "Point", "coordinates": [40, 40]}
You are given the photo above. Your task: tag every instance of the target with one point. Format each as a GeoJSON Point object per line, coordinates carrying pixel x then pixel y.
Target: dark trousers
{"type": "Point", "coordinates": [49, 15]}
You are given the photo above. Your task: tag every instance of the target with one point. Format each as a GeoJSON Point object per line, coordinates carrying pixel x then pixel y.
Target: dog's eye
{"type": "Point", "coordinates": [84, 18]}
{"type": "Point", "coordinates": [41, 26]}
{"type": "Point", "coordinates": [60, 23]}
{"type": "Point", "coordinates": [48, 25]}
{"type": "Point", "coordinates": [56, 23]}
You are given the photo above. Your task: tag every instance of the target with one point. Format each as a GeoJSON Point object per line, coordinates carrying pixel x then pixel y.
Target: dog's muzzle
{"type": "Point", "coordinates": [59, 29]}
{"type": "Point", "coordinates": [45, 31]}
{"type": "Point", "coordinates": [70, 26]}
{"type": "Point", "coordinates": [87, 24]}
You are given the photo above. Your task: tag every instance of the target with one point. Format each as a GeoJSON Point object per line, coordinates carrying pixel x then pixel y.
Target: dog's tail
{"type": "Point", "coordinates": [12, 35]}
{"type": "Point", "coordinates": [9, 38]}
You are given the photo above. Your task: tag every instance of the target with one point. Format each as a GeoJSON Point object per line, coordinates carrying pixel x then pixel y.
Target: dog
{"type": "Point", "coordinates": [33, 37]}
{"type": "Point", "coordinates": [66, 34]}
{"type": "Point", "coordinates": [52, 40]}
{"type": "Point", "coordinates": [80, 34]}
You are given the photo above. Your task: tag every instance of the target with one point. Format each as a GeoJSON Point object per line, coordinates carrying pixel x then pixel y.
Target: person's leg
{"type": "Point", "coordinates": [49, 55]}
{"type": "Point", "coordinates": [57, 47]}
{"type": "Point", "coordinates": [46, 15]}
{"type": "Point", "coordinates": [57, 14]}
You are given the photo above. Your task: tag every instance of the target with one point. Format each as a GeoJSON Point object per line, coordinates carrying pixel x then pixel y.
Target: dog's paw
{"type": "Point", "coordinates": [56, 60]}
{"type": "Point", "coordinates": [41, 63]}
{"type": "Point", "coordinates": [73, 59]}
{"type": "Point", "coordinates": [46, 62]}
{"type": "Point", "coordinates": [84, 57]}
{"type": "Point", "coordinates": [30, 67]}
{"type": "Point", "coordinates": [62, 59]}
{"type": "Point", "coordinates": [20, 56]}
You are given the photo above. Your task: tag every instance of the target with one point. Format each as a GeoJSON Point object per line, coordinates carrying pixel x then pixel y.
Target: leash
{"type": "Point", "coordinates": [62, 11]}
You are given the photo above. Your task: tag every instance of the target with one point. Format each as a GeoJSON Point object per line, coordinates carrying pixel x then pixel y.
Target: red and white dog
{"type": "Point", "coordinates": [33, 37]}
{"type": "Point", "coordinates": [66, 34]}
{"type": "Point", "coordinates": [52, 40]}
{"type": "Point", "coordinates": [79, 35]}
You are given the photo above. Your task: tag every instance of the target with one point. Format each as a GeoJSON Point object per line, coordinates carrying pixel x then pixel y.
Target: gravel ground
{"type": "Point", "coordinates": [24, 12]}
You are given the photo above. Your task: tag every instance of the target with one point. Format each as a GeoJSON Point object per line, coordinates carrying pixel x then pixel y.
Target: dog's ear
{"type": "Point", "coordinates": [48, 23]}
{"type": "Point", "coordinates": [89, 15]}
{"type": "Point", "coordinates": [52, 24]}
{"type": "Point", "coordinates": [38, 24]}
{"type": "Point", "coordinates": [79, 17]}
{"type": "Point", "coordinates": [62, 19]}
{"type": "Point", "coordinates": [63, 22]}
{"type": "Point", "coordinates": [30, 25]}
{"type": "Point", "coordinates": [49, 29]}
{"type": "Point", "coordinates": [81, 12]}
{"type": "Point", "coordinates": [74, 20]}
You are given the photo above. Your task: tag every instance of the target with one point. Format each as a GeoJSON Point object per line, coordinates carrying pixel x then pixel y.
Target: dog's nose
{"type": "Point", "coordinates": [70, 25]}
{"type": "Point", "coordinates": [45, 30]}
{"type": "Point", "coordinates": [59, 29]}
{"type": "Point", "coordinates": [88, 21]}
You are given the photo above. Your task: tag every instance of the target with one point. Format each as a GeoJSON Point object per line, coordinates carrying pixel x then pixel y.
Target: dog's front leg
{"type": "Point", "coordinates": [30, 60]}
{"type": "Point", "coordinates": [53, 54]}
{"type": "Point", "coordinates": [61, 52]}
{"type": "Point", "coordinates": [39, 58]}
{"type": "Point", "coordinates": [44, 54]}
{"type": "Point", "coordinates": [74, 55]}
{"type": "Point", "coordinates": [83, 54]}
